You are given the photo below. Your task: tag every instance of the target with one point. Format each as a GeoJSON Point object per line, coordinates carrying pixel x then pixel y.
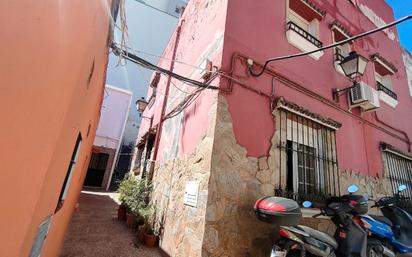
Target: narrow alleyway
{"type": "Point", "coordinates": [95, 231]}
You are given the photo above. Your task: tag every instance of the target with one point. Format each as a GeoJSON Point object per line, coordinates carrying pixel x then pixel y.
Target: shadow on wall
{"type": "Point", "coordinates": [122, 166]}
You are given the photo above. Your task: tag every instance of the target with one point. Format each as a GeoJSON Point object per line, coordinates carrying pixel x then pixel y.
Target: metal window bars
{"type": "Point", "coordinates": [307, 158]}
{"type": "Point", "coordinates": [386, 90]}
{"type": "Point", "coordinates": [293, 26]}
{"type": "Point", "coordinates": [399, 172]}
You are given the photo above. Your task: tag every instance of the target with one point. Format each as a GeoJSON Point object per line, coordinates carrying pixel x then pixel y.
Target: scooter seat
{"type": "Point", "coordinates": [382, 219]}
{"type": "Point", "coordinates": [320, 236]}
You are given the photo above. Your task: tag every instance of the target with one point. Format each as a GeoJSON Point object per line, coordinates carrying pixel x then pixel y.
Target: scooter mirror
{"type": "Point", "coordinates": [353, 189]}
{"type": "Point", "coordinates": [307, 204]}
{"type": "Point", "coordinates": [401, 188]}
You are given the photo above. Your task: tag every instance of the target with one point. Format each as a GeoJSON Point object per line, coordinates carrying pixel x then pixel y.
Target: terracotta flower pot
{"type": "Point", "coordinates": [130, 220]}
{"type": "Point", "coordinates": [150, 240]}
{"type": "Point", "coordinates": [121, 212]}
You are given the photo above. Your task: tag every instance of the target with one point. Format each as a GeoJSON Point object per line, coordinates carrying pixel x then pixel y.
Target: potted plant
{"type": "Point", "coordinates": [121, 212]}
{"type": "Point", "coordinates": [130, 220]}
{"type": "Point", "coordinates": [150, 236]}
{"type": "Point", "coordinates": [134, 193]}
{"type": "Point", "coordinates": [125, 192]}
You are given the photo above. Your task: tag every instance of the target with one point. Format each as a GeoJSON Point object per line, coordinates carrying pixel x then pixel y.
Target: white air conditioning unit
{"type": "Point", "coordinates": [364, 96]}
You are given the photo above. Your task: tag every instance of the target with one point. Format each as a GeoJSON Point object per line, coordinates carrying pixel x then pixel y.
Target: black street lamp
{"type": "Point", "coordinates": [141, 105]}
{"type": "Point", "coordinates": [353, 66]}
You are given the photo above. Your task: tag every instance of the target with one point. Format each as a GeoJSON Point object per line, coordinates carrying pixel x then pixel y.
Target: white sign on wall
{"type": "Point", "coordinates": [191, 193]}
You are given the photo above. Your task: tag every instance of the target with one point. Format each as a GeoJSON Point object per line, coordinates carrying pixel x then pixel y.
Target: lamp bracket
{"type": "Point", "coordinates": [338, 92]}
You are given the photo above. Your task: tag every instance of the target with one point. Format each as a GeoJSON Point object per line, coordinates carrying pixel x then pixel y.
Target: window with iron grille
{"type": "Point", "coordinates": [308, 166]}
{"type": "Point", "coordinates": [70, 169]}
{"type": "Point", "coordinates": [398, 169]}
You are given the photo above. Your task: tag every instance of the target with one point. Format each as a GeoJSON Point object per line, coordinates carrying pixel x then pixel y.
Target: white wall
{"type": "Point", "coordinates": [407, 59]}
{"type": "Point", "coordinates": [114, 113]}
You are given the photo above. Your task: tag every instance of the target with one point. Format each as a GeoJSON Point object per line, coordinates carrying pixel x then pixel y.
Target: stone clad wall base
{"type": "Point", "coordinates": [237, 181]}
{"type": "Point", "coordinates": [182, 226]}
{"type": "Point", "coordinates": [224, 223]}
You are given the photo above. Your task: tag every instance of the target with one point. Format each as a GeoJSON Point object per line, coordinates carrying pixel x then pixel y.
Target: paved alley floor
{"type": "Point", "coordinates": [94, 230]}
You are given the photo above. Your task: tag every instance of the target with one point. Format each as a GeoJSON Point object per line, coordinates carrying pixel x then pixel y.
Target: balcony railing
{"type": "Point", "coordinates": [292, 26]}
{"type": "Point", "coordinates": [386, 90]}
{"type": "Point", "coordinates": [338, 55]}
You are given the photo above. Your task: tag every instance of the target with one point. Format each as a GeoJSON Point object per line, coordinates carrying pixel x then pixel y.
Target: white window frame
{"type": "Point", "coordinates": [72, 166]}
{"type": "Point", "coordinates": [295, 39]}
{"type": "Point", "coordinates": [299, 20]}
{"type": "Point", "coordinates": [336, 62]}
{"type": "Point", "coordinates": [308, 142]}
{"type": "Point", "coordinates": [386, 80]}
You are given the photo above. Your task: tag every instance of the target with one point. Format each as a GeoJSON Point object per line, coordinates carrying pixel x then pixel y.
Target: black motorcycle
{"type": "Point", "coordinates": [296, 240]}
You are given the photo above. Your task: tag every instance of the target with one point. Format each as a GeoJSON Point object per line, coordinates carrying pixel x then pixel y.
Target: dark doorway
{"type": "Point", "coordinates": [96, 170]}
{"type": "Point", "coordinates": [147, 160]}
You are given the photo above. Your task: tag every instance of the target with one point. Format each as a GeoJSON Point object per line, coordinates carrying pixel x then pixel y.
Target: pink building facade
{"type": "Point", "coordinates": [281, 133]}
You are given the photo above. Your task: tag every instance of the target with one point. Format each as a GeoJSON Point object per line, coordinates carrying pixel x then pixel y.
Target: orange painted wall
{"type": "Point", "coordinates": [49, 92]}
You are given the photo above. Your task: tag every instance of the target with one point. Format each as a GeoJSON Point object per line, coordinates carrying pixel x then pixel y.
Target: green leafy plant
{"type": "Point", "coordinates": [148, 213]}
{"type": "Point", "coordinates": [125, 189]}
{"type": "Point", "coordinates": [134, 193]}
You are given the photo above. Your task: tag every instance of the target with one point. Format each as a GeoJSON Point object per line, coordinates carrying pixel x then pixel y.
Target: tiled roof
{"type": "Point", "coordinates": [283, 103]}
{"type": "Point", "coordinates": [385, 147]}
{"type": "Point", "coordinates": [315, 7]}
{"type": "Point", "coordinates": [341, 27]}
{"type": "Point", "coordinates": [386, 62]}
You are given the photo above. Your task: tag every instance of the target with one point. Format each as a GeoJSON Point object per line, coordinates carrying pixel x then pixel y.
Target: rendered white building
{"type": "Point", "coordinates": [150, 26]}
{"type": "Point", "coordinates": [109, 134]}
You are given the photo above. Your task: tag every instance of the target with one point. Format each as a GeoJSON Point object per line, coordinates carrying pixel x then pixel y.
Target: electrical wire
{"type": "Point", "coordinates": [142, 62]}
{"type": "Point", "coordinates": [328, 46]}
{"type": "Point", "coordinates": [189, 99]}
{"type": "Point", "coordinates": [181, 90]}
{"type": "Point", "coordinates": [165, 58]}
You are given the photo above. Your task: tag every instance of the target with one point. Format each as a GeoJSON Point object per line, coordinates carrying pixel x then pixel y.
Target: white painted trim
{"type": "Point", "coordinates": [116, 156]}
{"type": "Point", "coordinates": [334, 27]}
{"type": "Point", "coordinates": [391, 71]}
{"type": "Point", "coordinates": [388, 99]}
{"type": "Point", "coordinates": [313, 9]}
{"type": "Point", "coordinates": [338, 68]}
{"type": "Point", "coordinates": [296, 39]}
{"type": "Point", "coordinates": [119, 89]}
{"type": "Point", "coordinates": [398, 154]}
{"type": "Point", "coordinates": [295, 17]}
{"type": "Point", "coordinates": [303, 44]}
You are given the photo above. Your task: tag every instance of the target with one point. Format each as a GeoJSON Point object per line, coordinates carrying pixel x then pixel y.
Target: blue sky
{"type": "Point", "coordinates": [403, 8]}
